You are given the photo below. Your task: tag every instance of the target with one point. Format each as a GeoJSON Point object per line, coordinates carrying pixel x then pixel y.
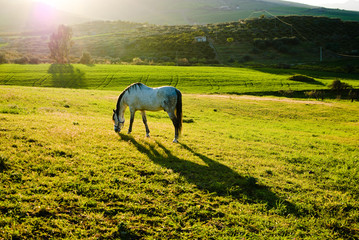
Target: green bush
{"type": "Point", "coordinates": [23, 60]}
{"type": "Point", "coordinates": [86, 58]}
{"type": "Point", "coordinates": [261, 43]}
{"type": "Point", "coordinates": [301, 78]}
{"type": "Point", "coordinates": [317, 94]}
{"type": "Point", "coordinates": [3, 59]}
{"type": "Point", "coordinates": [34, 60]}
{"type": "Point", "coordinates": [337, 85]}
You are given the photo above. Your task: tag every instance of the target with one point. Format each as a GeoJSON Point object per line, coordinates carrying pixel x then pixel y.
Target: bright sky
{"type": "Point", "coordinates": [75, 5]}
{"type": "Point", "coordinates": [341, 4]}
{"type": "Point", "coordinates": [62, 4]}
{"type": "Point", "coordinates": [318, 2]}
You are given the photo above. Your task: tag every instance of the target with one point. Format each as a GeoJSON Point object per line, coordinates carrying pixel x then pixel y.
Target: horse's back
{"type": "Point", "coordinates": [152, 99]}
{"type": "Point", "coordinates": [167, 91]}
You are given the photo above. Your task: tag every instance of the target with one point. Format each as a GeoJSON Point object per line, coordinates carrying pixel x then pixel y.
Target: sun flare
{"type": "Point", "coordinates": [60, 4]}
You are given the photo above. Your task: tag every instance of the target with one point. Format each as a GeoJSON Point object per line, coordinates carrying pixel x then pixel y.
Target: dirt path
{"type": "Point", "coordinates": [256, 98]}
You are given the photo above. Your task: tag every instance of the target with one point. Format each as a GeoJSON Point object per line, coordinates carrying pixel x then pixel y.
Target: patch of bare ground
{"type": "Point", "coordinates": [256, 98]}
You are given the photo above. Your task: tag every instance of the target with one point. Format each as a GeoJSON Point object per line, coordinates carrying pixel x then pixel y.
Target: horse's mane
{"type": "Point", "coordinates": [128, 89]}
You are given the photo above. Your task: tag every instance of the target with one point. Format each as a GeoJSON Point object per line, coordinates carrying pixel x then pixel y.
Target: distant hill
{"type": "Point", "coordinates": [174, 12]}
{"type": "Point", "coordinates": [22, 16]}
{"type": "Point", "coordinates": [281, 40]}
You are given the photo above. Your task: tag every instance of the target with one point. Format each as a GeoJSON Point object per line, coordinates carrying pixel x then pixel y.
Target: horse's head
{"type": "Point", "coordinates": [118, 125]}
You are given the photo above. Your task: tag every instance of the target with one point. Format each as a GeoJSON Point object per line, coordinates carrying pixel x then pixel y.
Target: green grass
{"type": "Point", "coordinates": [188, 79]}
{"type": "Point", "coordinates": [246, 167]}
{"type": "Point", "coordinates": [3, 44]}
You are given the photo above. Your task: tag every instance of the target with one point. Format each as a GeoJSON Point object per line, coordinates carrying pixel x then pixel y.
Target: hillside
{"type": "Point", "coordinates": [265, 40]}
{"type": "Point", "coordinates": [253, 168]}
{"type": "Point", "coordinates": [22, 15]}
{"type": "Point", "coordinates": [176, 12]}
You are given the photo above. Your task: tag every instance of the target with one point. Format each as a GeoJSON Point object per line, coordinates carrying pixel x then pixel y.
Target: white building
{"type": "Point", "coordinates": [201, 39]}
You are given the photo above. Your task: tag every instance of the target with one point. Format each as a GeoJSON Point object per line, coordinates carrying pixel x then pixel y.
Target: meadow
{"type": "Point", "coordinates": [246, 166]}
{"type": "Point", "coordinates": [201, 79]}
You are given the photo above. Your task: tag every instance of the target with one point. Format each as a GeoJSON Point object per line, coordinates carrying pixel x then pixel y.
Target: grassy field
{"type": "Point", "coordinates": [245, 167]}
{"type": "Point", "coordinates": [188, 79]}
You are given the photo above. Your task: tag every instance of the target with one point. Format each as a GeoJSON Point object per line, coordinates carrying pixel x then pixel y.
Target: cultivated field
{"type": "Point", "coordinates": [246, 167]}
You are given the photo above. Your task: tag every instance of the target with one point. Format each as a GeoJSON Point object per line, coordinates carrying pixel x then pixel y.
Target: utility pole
{"type": "Point", "coordinates": [321, 54]}
{"type": "Point", "coordinates": [176, 59]}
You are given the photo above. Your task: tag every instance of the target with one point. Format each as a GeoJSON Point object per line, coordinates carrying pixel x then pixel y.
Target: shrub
{"type": "Point", "coordinates": [246, 58]}
{"type": "Point", "coordinates": [301, 78]}
{"type": "Point", "coordinates": [230, 40]}
{"type": "Point", "coordinates": [34, 60]}
{"type": "Point", "coordinates": [277, 43]}
{"type": "Point", "coordinates": [231, 60]}
{"type": "Point", "coordinates": [285, 40]}
{"type": "Point", "coordinates": [354, 94]}
{"type": "Point", "coordinates": [138, 61]}
{"type": "Point", "coordinates": [338, 86]}
{"type": "Point", "coordinates": [183, 62]}
{"type": "Point", "coordinates": [317, 94]}
{"type": "Point", "coordinates": [3, 59]}
{"type": "Point", "coordinates": [282, 49]}
{"type": "Point", "coordinates": [23, 60]}
{"type": "Point", "coordinates": [86, 58]}
{"type": "Point", "coordinates": [286, 93]}
{"type": "Point", "coordinates": [260, 43]}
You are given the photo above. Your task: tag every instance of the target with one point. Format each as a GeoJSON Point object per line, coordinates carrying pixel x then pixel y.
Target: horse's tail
{"type": "Point", "coordinates": [179, 115]}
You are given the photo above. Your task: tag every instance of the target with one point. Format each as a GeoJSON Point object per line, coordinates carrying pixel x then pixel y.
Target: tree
{"type": "Point", "coordinates": [339, 87]}
{"type": "Point", "coordinates": [86, 58]}
{"type": "Point", "coordinates": [60, 44]}
{"type": "Point", "coordinates": [230, 40]}
{"type": "Point", "coordinates": [2, 58]}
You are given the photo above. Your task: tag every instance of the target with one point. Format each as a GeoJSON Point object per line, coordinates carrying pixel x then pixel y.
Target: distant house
{"type": "Point", "coordinates": [201, 39]}
{"type": "Point", "coordinates": [225, 8]}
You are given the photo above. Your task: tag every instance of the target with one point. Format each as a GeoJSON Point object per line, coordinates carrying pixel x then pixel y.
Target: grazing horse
{"type": "Point", "coordinates": [140, 97]}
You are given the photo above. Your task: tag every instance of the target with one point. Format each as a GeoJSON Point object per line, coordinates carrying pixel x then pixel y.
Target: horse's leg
{"type": "Point", "coordinates": [144, 119]}
{"type": "Point", "coordinates": [132, 112]}
{"type": "Point", "coordinates": [174, 121]}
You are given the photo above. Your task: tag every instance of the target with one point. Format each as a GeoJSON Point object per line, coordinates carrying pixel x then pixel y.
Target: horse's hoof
{"type": "Point", "coordinates": [175, 140]}
{"type": "Point", "coordinates": [148, 135]}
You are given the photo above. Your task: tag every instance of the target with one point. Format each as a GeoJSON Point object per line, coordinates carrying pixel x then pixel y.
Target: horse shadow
{"type": "Point", "coordinates": [214, 177]}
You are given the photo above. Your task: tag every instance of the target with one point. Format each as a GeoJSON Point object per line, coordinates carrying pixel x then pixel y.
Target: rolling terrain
{"type": "Point", "coordinates": [245, 167]}
{"type": "Point", "coordinates": [172, 12]}
{"type": "Point", "coordinates": [283, 41]}
{"type": "Point", "coordinates": [22, 15]}
{"type": "Point", "coordinates": [259, 157]}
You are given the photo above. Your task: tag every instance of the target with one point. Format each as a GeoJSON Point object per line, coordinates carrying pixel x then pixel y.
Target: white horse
{"type": "Point", "coordinates": [140, 97]}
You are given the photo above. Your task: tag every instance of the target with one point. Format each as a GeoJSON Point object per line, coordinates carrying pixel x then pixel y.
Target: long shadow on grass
{"type": "Point", "coordinates": [67, 76]}
{"type": "Point", "coordinates": [213, 177]}
{"type": "Point", "coordinates": [313, 73]}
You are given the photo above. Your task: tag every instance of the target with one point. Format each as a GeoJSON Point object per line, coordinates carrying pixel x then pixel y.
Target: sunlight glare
{"type": "Point", "coordinates": [60, 4]}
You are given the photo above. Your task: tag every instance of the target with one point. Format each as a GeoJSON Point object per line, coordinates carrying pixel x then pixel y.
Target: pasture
{"type": "Point", "coordinates": [201, 79]}
{"type": "Point", "coordinates": [246, 167]}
